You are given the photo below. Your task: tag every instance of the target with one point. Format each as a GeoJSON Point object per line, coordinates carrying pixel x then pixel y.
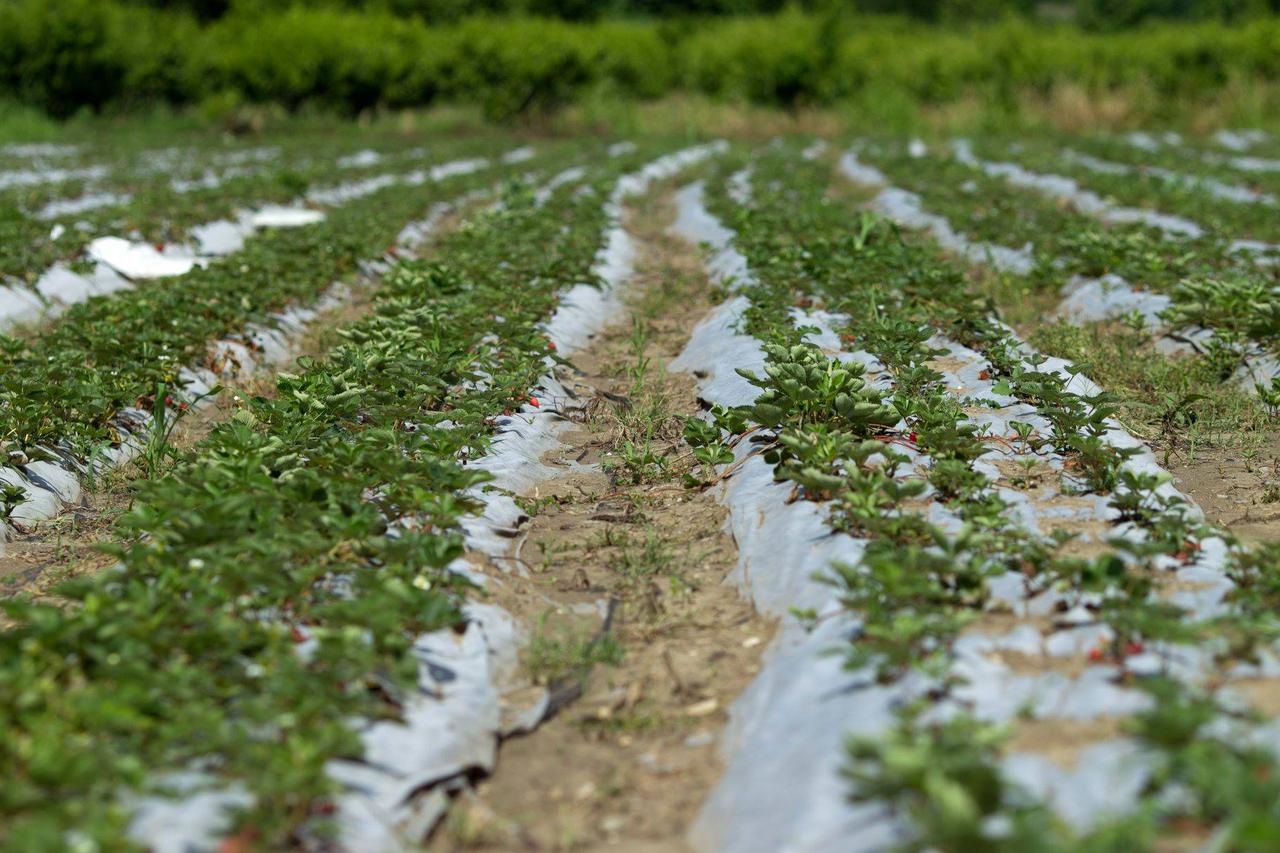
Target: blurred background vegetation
{"type": "Point", "coordinates": [895, 62]}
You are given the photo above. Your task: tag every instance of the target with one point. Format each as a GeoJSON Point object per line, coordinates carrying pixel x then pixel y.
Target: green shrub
{"type": "Point", "coordinates": [57, 53]}
{"type": "Point", "coordinates": [777, 60]}
{"type": "Point", "coordinates": [67, 55]}
{"type": "Point", "coordinates": [340, 59]}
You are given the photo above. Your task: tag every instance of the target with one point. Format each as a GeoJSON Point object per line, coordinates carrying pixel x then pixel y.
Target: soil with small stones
{"type": "Point", "coordinates": [1238, 493]}
{"type": "Point", "coordinates": [627, 765]}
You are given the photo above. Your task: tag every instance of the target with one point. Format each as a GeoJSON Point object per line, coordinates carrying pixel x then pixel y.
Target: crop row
{"type": "Point", "coordinates": [1226, 209]}
{"type": "Point", "coordinates": [1251, 153]}
{"type": "Point", "coordinates": [271, 597]}
{"type": "Point", "coordinates": [87, 382]}
{"type": "Point", "coordinates": [1213, 300]}
{"type": "Point", "coordinates": [970, 477]}
{"type": "Point", "coordinates": [162, 211]}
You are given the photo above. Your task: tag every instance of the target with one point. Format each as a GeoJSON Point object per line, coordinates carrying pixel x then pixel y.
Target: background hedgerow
{"type": "Point", "coordinates": [63, 56]}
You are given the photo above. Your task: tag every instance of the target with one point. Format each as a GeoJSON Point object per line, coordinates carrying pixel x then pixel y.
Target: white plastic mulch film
{"type": "Point", "coordinates": [784, 746]}
{"type": "Point", "coordinates": [1084, 299]}
{"type": "Point", "coordinates": [452, 726]}
{"type": "Point", "coordinates": [116, 263]}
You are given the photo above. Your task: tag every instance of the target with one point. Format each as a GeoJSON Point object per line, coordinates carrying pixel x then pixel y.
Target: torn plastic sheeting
{"type": "Point", "coordinates": [584, 310]}
{"type": "Point", "coordinates": [450, 727]}
{"type": "Point", "coordinates": [782, 789]}
{"type": "Point", "coordinates": [568, 176]}
{"type": "Point", "coordinates": [457, 167]}
{"type": "Point", "coordinates": [994, 692]}
{"type": "Point", "coordinates": [18, 305]}
{"type": "Point", "coordinates": [1244, 163]}
{"type": "Point", "coordinates": [782, 546]}
{"type": "Point", "coordinates": [32, 177]}
{"type": "Point", "coordinates": [222, 236]}
{"type": "Point", "coordinates": [740, 186]}
{"type": "Point", "coordinates": [515, 461]}
{"type": "Point", "coordinates": [378, 811]}
{"type": "Point", "coordinates": [276, 216]}
{"type": "Point", "coordinates": [1240, 140]}
{"type": "Point", "coordinates": [364, 157]}
{"type": "Point", "coordinates": [1105, 779]}
{"type": "Point", "coordinates": [59, 287]}
{"type": "Point", "coordinates": [416, 233]}
{"type": "Point", "coordinates": [519, 155]}
{"type": "Point", "coordinates": [1151, 142]}
{"type": "Point", "coordinates": [1088, 300]}
{"type": "Point", "coordinates": [618, 149]}
{"type": "Point", "coordinates": [905, 207]}
{"type": "Point", "coordinates": [343, 193]}
{"type": "Point", "coordinates": [1091, 300]}
{"type": "Point", "coordinates": [815, 150]}
{"type": "Point", "coordinates": [199, 811]}
{"type": "Point", "coordinates": [79, 204]}
{"type": "Point", "coordinates": [1077, 383]}
{"type": "Point", "coordinates": [209, 180]}
{"type": "Point", "coordinates": [141, 260]}
{"type": "Point", "coordinates": [38, 149]}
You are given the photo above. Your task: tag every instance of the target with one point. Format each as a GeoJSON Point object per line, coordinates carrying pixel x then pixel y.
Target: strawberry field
{"type": "Point", "coordinates": [369, 490]}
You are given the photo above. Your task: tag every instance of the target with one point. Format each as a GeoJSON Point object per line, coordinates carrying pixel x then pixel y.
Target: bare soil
{"type": "Point", "coordinates": [1237, 490]}
{"type": "Point", "coordinates": [627, 765]}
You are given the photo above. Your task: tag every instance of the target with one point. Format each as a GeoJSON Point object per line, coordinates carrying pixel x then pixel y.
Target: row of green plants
{"type": "Point", "coordinates": [1210, 286]}
{"type": "Point", "coordinates": [1143, 189]}
{"type": "Point", "coordinates": [918, 585]}
{"type": "Point", "coordinates": [1196, 157]}
{"type": "Point", "coordinates": [263, 601]}
{"type": "Point", "coordinates": [67, 55]}
{"type": "Point", "coordinates": [159, 214]}
{"type": "Point", "coordinates": [1066, 241]}
{"type": "Point", "coordinates": [65, 386]}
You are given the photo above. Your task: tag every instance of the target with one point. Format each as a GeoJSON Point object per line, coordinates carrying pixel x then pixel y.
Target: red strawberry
{"type": "Point", "coordinates": [1134, 648]}
{"type": "Point", "coordinates": [1095, 654]}
{"type": "Point", "coordinates": [533, 401]}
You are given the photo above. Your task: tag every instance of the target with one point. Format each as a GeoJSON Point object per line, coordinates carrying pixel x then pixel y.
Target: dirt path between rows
{"type": "Point", "coordinates": [626, 764]}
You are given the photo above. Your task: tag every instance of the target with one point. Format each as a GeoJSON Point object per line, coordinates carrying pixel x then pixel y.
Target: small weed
{"type": "Point", "coordinates": [552, 656]}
